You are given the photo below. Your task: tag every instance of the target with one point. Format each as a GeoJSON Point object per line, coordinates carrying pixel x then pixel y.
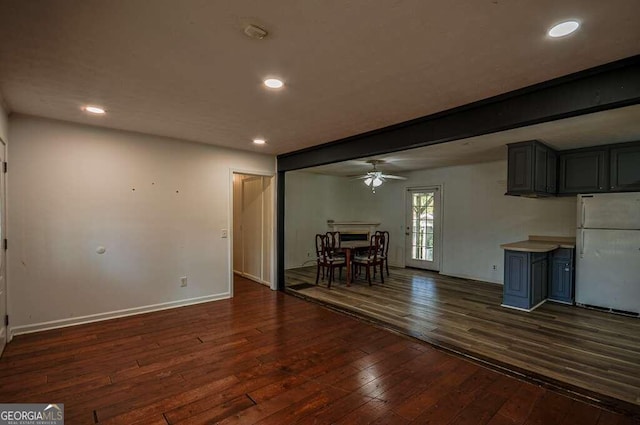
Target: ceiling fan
{"type": "Point", "coordinates": [375, 178]}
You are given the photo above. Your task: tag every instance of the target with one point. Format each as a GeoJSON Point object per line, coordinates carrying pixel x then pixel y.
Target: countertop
{"type": "Point", "coordinates": [541, 244]}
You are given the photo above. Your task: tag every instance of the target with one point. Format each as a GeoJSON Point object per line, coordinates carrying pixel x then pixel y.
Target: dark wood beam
{"type": "Point", "coordinates": [280, 232]}
{"type": "Point", "coordinates": [609, 86]}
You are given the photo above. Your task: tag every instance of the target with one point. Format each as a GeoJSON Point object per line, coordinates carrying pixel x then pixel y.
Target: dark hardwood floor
{"type": "Point", "coordinates": [269, 358]}
{"type": "Point", "coordinates": [593, 353]}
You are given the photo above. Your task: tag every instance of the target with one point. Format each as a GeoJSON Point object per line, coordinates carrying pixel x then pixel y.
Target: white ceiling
{"type": "Point", "coordinates": [185, 69]}
{"type": "Point", "coordinates": [615, 126]}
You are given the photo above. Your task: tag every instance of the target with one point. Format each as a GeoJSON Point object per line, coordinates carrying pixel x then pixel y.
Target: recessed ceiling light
{"type": "Point", "coordinates": [273, 83]}
{"type": "Point", "coordinates": [259, 141]}
{"type": "Point", "coordinates": [94, 110]}
{"type": "Point", "coordinates": [563, 28]}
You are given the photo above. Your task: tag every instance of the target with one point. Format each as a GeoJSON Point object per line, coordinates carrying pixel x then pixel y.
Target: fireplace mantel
{"type": "Point", "coordinates": [368, 227]}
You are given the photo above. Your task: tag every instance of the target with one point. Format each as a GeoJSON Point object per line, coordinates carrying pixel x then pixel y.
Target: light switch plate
{"type": "Point", "coordinates": [224, 233]}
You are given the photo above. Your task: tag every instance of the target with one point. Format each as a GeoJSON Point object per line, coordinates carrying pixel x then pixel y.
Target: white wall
{"type": "Point", "coordinates": [477, 216]}
{"type": "Point", "coordinates": [157, 205]}
{"type": "Point", "coordinates": [311, 200]}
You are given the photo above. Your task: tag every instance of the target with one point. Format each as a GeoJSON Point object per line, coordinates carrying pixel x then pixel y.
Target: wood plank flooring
{"type": "Point", "coordinates": [594, 353]}
{"type": "Point", "coordinates": [269, 358]}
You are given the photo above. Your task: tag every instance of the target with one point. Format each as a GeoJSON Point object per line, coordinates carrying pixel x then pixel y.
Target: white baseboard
{"type": "Point", "coordinates": [463, 276]}
{"type": "Point", "coordinates": [255, 279]}
{"type": "Point", "coordinates": [63, 323]}
{"type": "Point", "coordinates": [524, 309]}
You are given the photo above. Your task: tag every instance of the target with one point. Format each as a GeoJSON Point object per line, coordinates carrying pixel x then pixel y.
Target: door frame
{"type": "Point", "coordinates": [3, 233]}
{"type": "Point", "coordinates": [272, 243]}
{"type": "Point", "coordinates": [439, 220]}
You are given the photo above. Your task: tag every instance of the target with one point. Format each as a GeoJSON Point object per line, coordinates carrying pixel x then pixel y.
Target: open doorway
{"type": "Point", "coordinates": [253, 218]}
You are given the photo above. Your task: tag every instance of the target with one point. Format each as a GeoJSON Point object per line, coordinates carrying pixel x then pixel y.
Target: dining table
{"type": "Point", "coordinates": [348, 248]}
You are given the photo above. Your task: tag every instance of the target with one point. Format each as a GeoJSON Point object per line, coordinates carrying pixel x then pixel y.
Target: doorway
{"type": "Point", "coordinates": [423, 228]}
{"type": "Point", "coordinates": [253, 216]}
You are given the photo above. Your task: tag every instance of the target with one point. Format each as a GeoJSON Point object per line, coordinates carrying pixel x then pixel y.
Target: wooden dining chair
{"type": "Point", "coordinates": [384, 249]}
{"type": "Point", "coordinates": [320, 243]}
{"type": "Point", "coordinates": [326, 260]}
{"type": "Point", "coordinates": [370, 259]}
{"type": "Point", "coordinates": [334, 244]}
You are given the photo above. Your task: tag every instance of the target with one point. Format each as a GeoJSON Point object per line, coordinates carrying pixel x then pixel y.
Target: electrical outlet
{"type": "Point", "coordinates": [494, 267]}
{"type": "Point", "coordinates": [183, 281]}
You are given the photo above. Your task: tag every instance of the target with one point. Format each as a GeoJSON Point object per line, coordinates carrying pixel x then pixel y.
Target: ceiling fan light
{"type": "Point", "coordinates": [376, 182]}
{"type": "Point", "coordinates": [368, 181]}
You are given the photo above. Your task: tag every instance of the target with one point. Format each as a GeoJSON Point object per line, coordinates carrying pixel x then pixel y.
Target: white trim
{"type": "Point", "coordinates": [524, 309]}
{"type": "Point", "coordinates": [468, 277]}
{"type": "Point", "coordinates": [439, 220]}
{"type": "Point", "coordinates": [255, 279]}
{"type": "Point", "coordinates": [63, 323]}
{"type": "Point", "coordinates": [559, 302]}
{"type": "Point", "coordinates": [4, 224]}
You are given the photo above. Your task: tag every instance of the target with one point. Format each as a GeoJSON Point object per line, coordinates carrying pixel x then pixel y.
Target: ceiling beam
{"type": "Point", "coordinates": [609, 86]}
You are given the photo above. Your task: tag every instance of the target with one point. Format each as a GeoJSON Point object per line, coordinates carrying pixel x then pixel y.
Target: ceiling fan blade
{"type": "Point", "coordinates": [359, 177]}
{"type": "Point", "coordinates": [389, 176]}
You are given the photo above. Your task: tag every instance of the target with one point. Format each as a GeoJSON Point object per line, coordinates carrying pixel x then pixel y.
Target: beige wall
{"type": "Point", "coordinates": [157, 206]}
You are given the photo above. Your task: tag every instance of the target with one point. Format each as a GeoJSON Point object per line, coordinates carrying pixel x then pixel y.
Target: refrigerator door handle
{"type": "Point", "coordinates": [582, 215]}
{"type": "Point", "coordinates": [581, 243]}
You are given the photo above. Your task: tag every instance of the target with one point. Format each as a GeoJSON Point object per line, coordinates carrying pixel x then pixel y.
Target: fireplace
{"type": "Point", "coordinates": [353, 230]}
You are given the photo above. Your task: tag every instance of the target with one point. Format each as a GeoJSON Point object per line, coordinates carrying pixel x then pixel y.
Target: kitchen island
{"type": "Point", "coordinates": [537, 269]}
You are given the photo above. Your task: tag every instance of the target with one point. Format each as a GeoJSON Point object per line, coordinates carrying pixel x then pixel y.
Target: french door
{"type": "Point", "coordinates": [422, 231]}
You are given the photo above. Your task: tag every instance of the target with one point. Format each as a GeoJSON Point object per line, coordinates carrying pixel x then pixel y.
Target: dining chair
{"type": "Point", "coordinates": [320, 243]}
{"type": "Point", "coordinates": [326, 260]}
{"type": "Point", "coordinates": [334, 243]}
{"type": "Point", "coordinates": [370, 259]}
{"type": "Point", "coordinates": [384, 249]}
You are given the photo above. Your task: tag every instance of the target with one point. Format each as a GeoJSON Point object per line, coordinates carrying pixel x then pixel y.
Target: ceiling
{"type": "Point", "coordinates": [185, 69]}
{"type": "Point", "coordinates": [601, 128]}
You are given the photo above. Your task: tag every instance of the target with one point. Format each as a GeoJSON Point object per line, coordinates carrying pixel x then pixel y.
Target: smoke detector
{"type": "Point", "coordinates": [255, 31]}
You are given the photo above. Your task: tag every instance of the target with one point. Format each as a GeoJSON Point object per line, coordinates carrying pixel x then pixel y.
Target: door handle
{"type": "Point", "coordinates": [583, 214]}
{"type": "Point", "coordinates": [582, 243]}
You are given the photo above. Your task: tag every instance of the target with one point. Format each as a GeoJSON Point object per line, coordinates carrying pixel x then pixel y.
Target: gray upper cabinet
{"type": "Point", "coordinates": [534, 169]}
{"type": "Point", "coordinates": [625, 168]}
{"type": "Point", "coordinates": [583, 171]}
{"type": "Point", "coordinates": [531, 169]}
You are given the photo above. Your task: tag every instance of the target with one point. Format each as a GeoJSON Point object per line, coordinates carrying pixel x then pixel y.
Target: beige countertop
{"type": "Point", "coordinates": [541, 244]}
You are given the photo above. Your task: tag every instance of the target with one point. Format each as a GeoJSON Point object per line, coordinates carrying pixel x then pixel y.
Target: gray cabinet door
{"type": "Point", "coordinates": [531, 169]}
{"type": "Point", "coordinates": [552, 172]}
{"type": "Point", "coordinates": [625, 168]}
{"type": "Point", "coordinates": [583, 172]}
{"type": "Point", "coordinates": [516, 289]}
{"type": "Point", "coordinates": [519, 169]}
{"type": "Point", "coordinates": [561, 276]}
{"type": "Point", "coordinates": [539, 274]}
{"type": "Point", "coordinates": [540, 171]}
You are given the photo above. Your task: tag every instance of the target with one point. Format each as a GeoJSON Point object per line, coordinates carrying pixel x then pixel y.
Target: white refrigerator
{"type": "Point", "coordinates": [608, 251]}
